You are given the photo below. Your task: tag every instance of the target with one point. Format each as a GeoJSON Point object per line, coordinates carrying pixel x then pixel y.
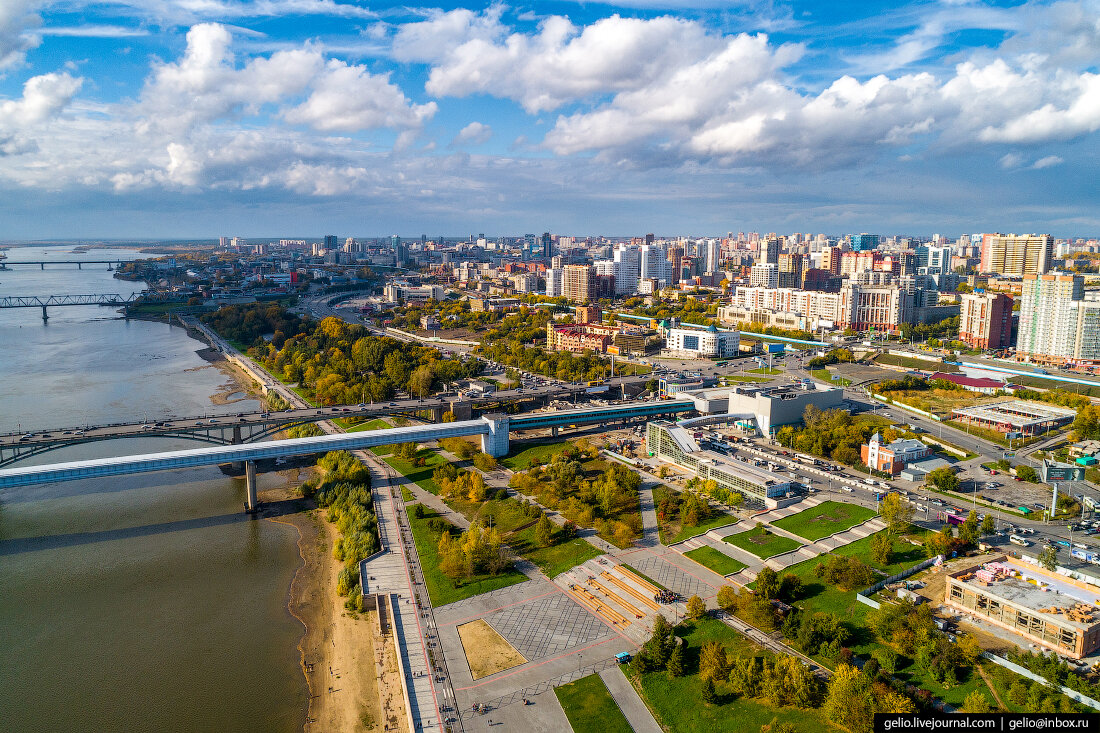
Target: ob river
{"type": "Point", "coordinates": [137, 603]}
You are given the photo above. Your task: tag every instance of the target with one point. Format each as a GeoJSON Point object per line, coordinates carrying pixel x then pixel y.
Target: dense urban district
{"type": "Point", "coordinates": [838, 475]}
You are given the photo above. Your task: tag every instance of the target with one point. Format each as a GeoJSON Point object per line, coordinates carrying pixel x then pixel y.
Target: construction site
{"type": "Point", "coordinates": [1048, 609]}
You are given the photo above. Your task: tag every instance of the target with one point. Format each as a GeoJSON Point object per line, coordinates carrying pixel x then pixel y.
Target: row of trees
{"type": "Point", "coordinates": [477, 551]}
{"type": "Point", "coordinates": [343, 489]}
{"type": "Point", "coordinates": [830, 434]}
{"type": "Point", "coordinates": [685, 508]}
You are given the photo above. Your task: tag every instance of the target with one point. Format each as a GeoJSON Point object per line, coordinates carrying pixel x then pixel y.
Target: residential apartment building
{"type": "Point", "coordinates": [790, 270]}
{"type": "Point", "coordinates": [864, 242]}
{"type": "Point", "coordinates": [985, 321]}
{"type": "Point", "coordinates": [697, 342]}
{"type": "Point", "coordinates": [764, 276]}
{"type": "Point", "coordinates": [578, 283]}
{"type": "Point", "coordinates": [554, 282]}
{"type": "Point", "coordinates": [1048, 317]}
{"type": "Point", "coordinates": [1017, 255]}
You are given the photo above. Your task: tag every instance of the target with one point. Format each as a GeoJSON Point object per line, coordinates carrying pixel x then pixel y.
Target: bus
{"type": "Point", "coordinates": [806, 459]}
{"type": "Point", "coordinates": [595, 383]}
{"type": "Point", "coordinates": [720, 363]}
{"type": "Point", "coordinates": [952, 518]}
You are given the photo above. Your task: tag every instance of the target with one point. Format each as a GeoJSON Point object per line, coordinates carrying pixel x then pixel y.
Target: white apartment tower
{"type": "Point", "coordinates": [1048, 317]}
{"type": "Point", "coordinates": [628, 268]}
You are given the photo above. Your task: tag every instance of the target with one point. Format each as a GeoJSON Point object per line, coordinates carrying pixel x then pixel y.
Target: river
{"type": "Point", "coordinates": [138, 603]}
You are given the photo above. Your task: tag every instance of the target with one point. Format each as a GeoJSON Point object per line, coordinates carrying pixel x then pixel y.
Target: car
{"type": "Point", "coordinates": [199, 422]}
{"type": "Point", "coordinates": [67, 432]}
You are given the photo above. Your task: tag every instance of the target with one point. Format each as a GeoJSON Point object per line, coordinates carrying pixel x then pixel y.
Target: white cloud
{"type": "Point", "coordinates": [17, 19]}
{"type": "Point", "coordinates": [1009, 161]}
{"type": "Point", "coordinates": [434, 38]}
{"type": "Point", "coordinates": [93, 31]}
{"type": "Point", "coordinates": [474, 133]}
{"type": "Point", "coordinates": [43, 97]}
{"type": "Point", "coordinates": [1048, 162]}
{"type": "Point", "coordinates": [349, 98]}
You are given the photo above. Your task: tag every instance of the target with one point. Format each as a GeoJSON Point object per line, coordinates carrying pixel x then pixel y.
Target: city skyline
{"type": "Point", "coordinates": [194, 119]}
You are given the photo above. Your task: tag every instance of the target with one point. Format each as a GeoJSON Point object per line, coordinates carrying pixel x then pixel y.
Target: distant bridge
{"type": "Point", "coordinates": [111, 264]}
{"type": "Point", "coordinates": [493, 430]}
{"type": "Point", "coordinates": [50, 301]}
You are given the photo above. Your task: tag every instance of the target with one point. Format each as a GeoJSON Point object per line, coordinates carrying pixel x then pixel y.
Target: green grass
{"type": "Point", "coordinates": [1053, 384]}
{"type": "Point", "coordinates": [590, 707]}
{"type": "Point", "coordinates": [675, 702]}
{"type": "Point", "coordinates": [825, 519]}
{"type": "Point", "coordinates": [441, 589]}
{"type": "Point", "coordinates": [765, 370]}
{"type": "Point", "coordinates": [664, 529]}
{"type": "Point", "coordinates": [910, 363]}
{"type": "Point", "coordinates": [742, 380]}
{"type": "Point", "coordinates": [643, 576]}
{"type": "Point", "coordinates": [406, 494]}
{"type": "Point", "coordinates": [542, 452]}
{"type": "Point", "coordinates": [711, 558]}
{"type": "Point", "coordinates": [762, 543]}
{"type": "Point", "coordinates": [376, 424]}
{"type": "Point", "coordinates": [826, 376]}
{"type": "Point", "coordinates": [305, 394]}
{"type": "Point", "coordinates": [419, 475]}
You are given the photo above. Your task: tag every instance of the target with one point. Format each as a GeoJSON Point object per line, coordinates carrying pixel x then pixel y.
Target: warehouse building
{"type": "Point", "coordinates": [1015, 416]}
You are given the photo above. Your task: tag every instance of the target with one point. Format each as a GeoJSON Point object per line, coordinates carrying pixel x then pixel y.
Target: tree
{"type": "Point", "coordinates": [887, 659]}
{"type": "Point", "coordinates": [944, 479]}
{"type": "Point", "coordinates": [727, 597]}
{"type": "Point", "coordinates": [976, 702]}
{"type": "Point", "coordinates": [696, 609]}
{"type": "Point", "coordinates": [1048, 557]}
{"type": "Point", "coordinates": [776, 726]}
{"type": "Point", "coordinates": [895, 702]}
{"type": "Point", "coordinates": [850, 700]}
{"type": "Point", "coordinates": [1027, 473]}
{"type": "Point", "coordinates": [767, 583]}
{"type": "Point", "coordinates": [544, 531]}
{"type": "Point", "coordinates": [675, 664]}
{"type": "Point", "coordinates": [485, 462]}
{"type": "Point", "coordinates": [896, 512]}
{"type": "Point", "coordinates": [987, 528]}
{"type": "Point", "coordinates": [713, 664]}
{"type": "Point", "coordinates": [707, 693]}
{"type": "Point", "coordinates": [968, 531]}
{"type": "Point", "coordinates": [882, 544]}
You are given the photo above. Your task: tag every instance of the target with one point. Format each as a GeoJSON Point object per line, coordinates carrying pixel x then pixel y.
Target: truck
{"type": "Point", "coordinates": [622, 657]}
{"type": "Point", "coordinates": [1018, 540]}
{"type": "Point", "coordinates": [1089, 556]}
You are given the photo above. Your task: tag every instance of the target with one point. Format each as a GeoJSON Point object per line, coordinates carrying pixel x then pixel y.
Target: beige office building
{"type": "Point", "coordinates": [578, 283]}
{"type": "Point", "coordinates": [1017, 255]}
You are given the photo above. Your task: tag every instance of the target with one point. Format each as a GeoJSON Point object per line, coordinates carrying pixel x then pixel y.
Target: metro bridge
{"type": "Point", "coordinates": [44, 301]}
{"type": "Point", "coordinates": [111, 264]}
{"type": "Point", "coordinates": [260, 425]}
{"type": "Point", "coordinates": [493, 429]}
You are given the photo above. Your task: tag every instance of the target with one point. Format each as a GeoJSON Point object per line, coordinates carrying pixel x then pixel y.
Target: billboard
{"type": "Point", "coordinates": [1053, 471]}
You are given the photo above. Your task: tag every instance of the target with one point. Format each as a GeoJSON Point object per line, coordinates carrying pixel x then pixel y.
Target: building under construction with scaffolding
{"type": "Point", "coordinates": [1036, 605]}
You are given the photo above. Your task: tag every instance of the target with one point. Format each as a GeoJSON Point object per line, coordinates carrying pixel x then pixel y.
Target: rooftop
{"type": "Point", "coordinates": [1008, 583]}
{"type": "Point", "coordinates": [757, 474]}
{"type": "Point", "coordinates": [1017, 412]}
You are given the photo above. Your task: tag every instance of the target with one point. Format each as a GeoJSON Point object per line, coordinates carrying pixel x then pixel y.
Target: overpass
{"type": "Point", "coordinates": [493, 430]}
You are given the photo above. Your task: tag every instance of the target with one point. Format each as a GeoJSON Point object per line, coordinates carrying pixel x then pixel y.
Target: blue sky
{"type": "Point", "coordinates": [199, 118]}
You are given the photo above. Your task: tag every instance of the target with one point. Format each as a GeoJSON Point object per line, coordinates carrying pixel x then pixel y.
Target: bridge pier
{"type": "Point", "coordinates": [250, 505]}
{"type": "Point", "coordinates": [79, 266]}
{"type": "Point", "coordinates": [45, 315]}
{"type": "Point", "coordinates": [463, 410]}
{"type": "Point", "coordinates": [43, 265]}
{"type": "Point", "coordinates": [495, 442]}
{"type": "Point", "coordinates": [437, 414]}
{"type": "Point", "coordinates": [554, 431]}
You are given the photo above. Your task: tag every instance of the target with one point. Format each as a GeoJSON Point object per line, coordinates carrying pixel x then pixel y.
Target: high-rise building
{"type": "Point", "coordinates": [864, 242]}
{"type": "Point", "coordinates": [771, 249]}
{"type": "Point", "coordinates": [578, 283]}
{"type": "Point", "coordinates": [547, 245]}
{"type": "Point", "coordinates": [764, 276]}
{"type": "Point", "coordinates": [400, 251]}
{"type": "Point", "coordinates": [985, 321]}
{"type": "Point", "coordinates": [628, 268]}
{"type": "Point", "coordinates": [830, 260]}
{"type": "Point", "coordinates": [676, 259]}
{"type": "Point", "coordinates": [790, 270]}
{"type": "Point", "coordinates": [712, 250]}
{"type": "Point", "coordinates": [1048, 318]}
{"type": "Point", "coordinates": [1017, 255]}
{"type": "Point", "coordinates": [553, 283]}
{"type": "Point", "coordinates": [934, 257]}
{"type": "Point", "coordinates": [654, 264]}
{"type": "Point", "coordinates": [330, 242]}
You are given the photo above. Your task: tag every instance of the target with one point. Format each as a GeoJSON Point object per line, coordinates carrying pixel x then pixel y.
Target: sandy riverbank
{"type": "Point", "coordinates": [351, 671]}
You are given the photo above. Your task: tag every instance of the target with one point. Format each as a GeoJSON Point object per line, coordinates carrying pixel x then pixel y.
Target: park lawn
{"type": "Point", "coordinates": [827, 518]}
{"type": "Point", "coordinates": [711, 558]}
{"type": "Point", "coordinates": [922, 364]}
{"type": "Point", "coordinates": [419, 475]}
{"type": "Point", "coordinates": [743, 380]}
{"type": "Point", "coordinates": [673, 532]}
{"type": "Point", "coordinates": [406, 494]}
{"type": "Point", "coordinates": [519, 534]}
{"type": "Point", "coordinates": [1054, 384]}
{"type": "Point", "coordinates": [590, 707]}
{"type": "Point", "coordinates": [540, 452]}
{"type": "Point", "coordinates": [675, 702]}
{"type": "Point", "coordinates": [441, 589]}
{"type": "Point", "coordinates": [828, 377]}
{"type": "Point", "coordinates": [765, 370]}
{"type": "Point", "coordinates": [937, 400]}
{"type": "Point", "coordinates": [375, 424]}
{"type": "Point", "coordinates": [762, 543]}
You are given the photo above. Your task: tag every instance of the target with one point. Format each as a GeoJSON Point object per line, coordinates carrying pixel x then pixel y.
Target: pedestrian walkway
{"type": "Point", "coordinates": [628, 700]}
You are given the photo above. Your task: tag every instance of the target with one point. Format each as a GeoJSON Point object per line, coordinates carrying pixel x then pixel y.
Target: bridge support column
{"type": "Point", "coordinates": [437, 414]}
{"type": "Point", "coordinates": [495, 442]}
{"type": "Point", "coordinates": [250, 483]}
{"type": "Point", "coordinates": [43, 264]}
{"type": "Point", "coordinates": [463, 410]}
{"type": "Point", "coordinates": [79, 266]}
{"type": "Point", "coordinates": [45, 315]}
{"type": "Point", "coordinates": [554, 431]}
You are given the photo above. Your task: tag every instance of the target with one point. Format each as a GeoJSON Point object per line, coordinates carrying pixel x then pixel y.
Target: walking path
{"type": "Point", "coordinates": [629, 701]}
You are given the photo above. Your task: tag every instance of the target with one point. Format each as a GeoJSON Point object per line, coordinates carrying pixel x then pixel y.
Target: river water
{"type": "Point", "coordinates": [137, 603]}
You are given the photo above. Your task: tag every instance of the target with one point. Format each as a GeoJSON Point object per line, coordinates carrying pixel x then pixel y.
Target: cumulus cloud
{"type": "Point", "coordinates": [43, 97]}
{"type": "Point", "coordinates": [349, 98]}
{"type": "Point", "coordinates": [474, 133]}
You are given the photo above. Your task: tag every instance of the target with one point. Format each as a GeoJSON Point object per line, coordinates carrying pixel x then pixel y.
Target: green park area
{"type": "Point", "coordinates": [376, 424]}
{"type": "Point", "coordinates": [682, 515]}
{"type": "Point", "coordinates": [418, 470]}
{"type": "Point", "coordinates": [826, 376]}
{"type": "Point", "coordinates": [677, 701]}
{"type": "Point", "coordinates": [825, 519]}
{"type": "Point", "coordinates": [765, 370]}
{"type": "Point", "coordinates": [711, 558]}
{"type": "Point", "coordinates": [441, 588]}
{"type": "Point", "coordinates": [525, 454]}
{"type": "Point", "coordinates": [911, 363]}
{"type": "Point", "coordinates": [762, 543]}
{"type": "Point", "coordinates": [590, 707]}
